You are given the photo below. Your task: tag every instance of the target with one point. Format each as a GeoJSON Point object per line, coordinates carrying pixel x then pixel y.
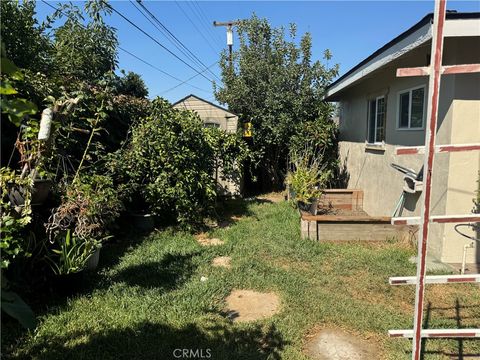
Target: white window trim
{"type": "Point", "coordinates": [410, 108]}
{"type": "Point", "coordinates": [375, 142]}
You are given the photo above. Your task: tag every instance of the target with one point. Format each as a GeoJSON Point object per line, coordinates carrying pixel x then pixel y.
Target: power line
{"type": "Point", "coordinates": [193, 9]}
{"type": "Point", "coordinates": [164, 72]}
{"type": "Point", "coordinates": [195, 26]}
{"type": "Point", "coordinates": [137, 57]}
{"type": "Point", "coordinates": [186, 81]}
{"type": "Point", "coordinates": [161, 29]}
{"type": "Point", "coordinates": [172, 38]}
{"type": "Point", "coordinates": [157, 42]}
{"type": "Point", "coordinates": [207, 23]}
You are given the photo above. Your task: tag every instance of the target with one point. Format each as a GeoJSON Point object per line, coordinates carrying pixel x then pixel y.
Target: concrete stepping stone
{"type": "Point", "coordinates": [204, 240]}
{"type": "Point", "coordinates": [249, 305]}
{"type": "Point", "coordinates": [333, 344]}
{"type": "Point", "coordinates": [222, 261]}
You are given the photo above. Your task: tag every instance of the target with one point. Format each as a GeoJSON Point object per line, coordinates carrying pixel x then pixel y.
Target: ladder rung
{"type": "Point", "coordinates": [415, 220]}
{"type": "Point", "coordinates": [435, 279]}
{"type": "Point", "coordinates": [455, 218]}
{"type": "Point", "coordinates": [412, 150]}
{"type": "Point", "coordinates": [437, 333]}
{"type": "Point", "coordinates": [446, 70]}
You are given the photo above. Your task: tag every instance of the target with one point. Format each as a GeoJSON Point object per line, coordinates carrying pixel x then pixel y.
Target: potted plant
{"type": "Point", "coordinates": [307, 178]}
{"type": "Point", "coordinates": [80, 224]}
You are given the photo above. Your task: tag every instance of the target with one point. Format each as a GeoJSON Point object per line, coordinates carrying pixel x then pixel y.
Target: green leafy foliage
{"type": "Point", "coordinates": [82, 221]}
{"type": "Point", "coordinates": [308, 174]}
{"type": "Point", "coordinates": [89, 208]}
{"type": "Point", "coordinates": [229, 152]}
{"type": "Point", "coordinates": [72, 254]}
{"type": "Point", "coordinates": [15, 107]}
{"type": "Point", "coordinates": [168, 165]}
{"type": "Point", "coordinates": [318, 136]}
{"type": "Point", "coordinates": [132, 84]}
{"type": "Point", "coordinates": [14, 217]}
{"type": "Point", "coordinates": [274, 84]}
{"type": "Point", "coordinates": [26, 45]}
{"type": "Point", "coordinates": [85, 52]}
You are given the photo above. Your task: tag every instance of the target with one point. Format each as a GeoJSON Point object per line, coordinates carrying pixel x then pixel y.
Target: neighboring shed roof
{"type": "Point", "coordinates": [406, 41]}
{"type": "Point", "coordinates": [205, 101]}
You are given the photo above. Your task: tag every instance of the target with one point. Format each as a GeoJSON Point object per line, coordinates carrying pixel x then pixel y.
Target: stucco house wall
{"type": "Point", "coordinates": [455, 175]}
{"type": "Point", "coordinates": [214, 115]}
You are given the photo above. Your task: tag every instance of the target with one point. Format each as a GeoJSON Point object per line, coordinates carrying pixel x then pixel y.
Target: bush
{"type": "Point", "coordinates": [167, 166]}
{"type": "Point", "coordinates": [318, 137]}
{"type": "Point", "coordinates": [132, 84]}
{"type": "Point", "coordinates": [14, 219]}
{"type": "Point", "coordinates": [308, 174]}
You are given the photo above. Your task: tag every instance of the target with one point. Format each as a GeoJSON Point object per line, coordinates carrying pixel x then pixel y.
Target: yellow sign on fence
{"type": "Point", "coordinates": [247, 129]}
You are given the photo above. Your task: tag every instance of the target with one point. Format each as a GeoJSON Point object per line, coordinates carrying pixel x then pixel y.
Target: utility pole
{"type": "Point", "coordinates": [229, 25]}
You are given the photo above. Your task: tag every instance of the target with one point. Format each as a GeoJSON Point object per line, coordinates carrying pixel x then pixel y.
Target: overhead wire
{"type": "Point", "coordinates": [171, 37]}
{"type": "Point", "coordinates": [186, 81]}
{"type": "Point", "coordinates": [161, 29]}
{"type": "Point", "coordinates": [203, 24]}
{"type": "Point", "coordinates": [158, 42]}
{"type": "Point", "coordinates": [182, 82]}
{"type": "Point", "coordinates": [204, 20]}
{"type": "Point", "coordinates": [195, 26]}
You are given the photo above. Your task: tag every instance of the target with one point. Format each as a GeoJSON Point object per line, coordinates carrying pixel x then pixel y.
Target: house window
{"type": "Point", "coordinates": [411, 108]}
{"type": "Point", "coordinates": [376, 120]}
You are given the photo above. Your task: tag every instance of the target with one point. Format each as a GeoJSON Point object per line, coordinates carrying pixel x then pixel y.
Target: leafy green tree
{"type": "Point", "coordinates": [132, 84]}
{"type": "Point", "coordinates": [85, 51]}
{"type": "Point", "coordinates": [25, 42]}
{"type": "Point", "coordinates": [167, 167]}
{"type": "Point", "coordinates": [274, 84]}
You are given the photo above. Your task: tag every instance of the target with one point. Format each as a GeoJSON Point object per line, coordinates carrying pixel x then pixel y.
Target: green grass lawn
{"type": "Point", "coordinates": [147, 298]}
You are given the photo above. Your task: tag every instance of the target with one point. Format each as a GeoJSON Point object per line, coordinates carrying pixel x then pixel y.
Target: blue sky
{"type": "Point", "coordinates": [352, 30]}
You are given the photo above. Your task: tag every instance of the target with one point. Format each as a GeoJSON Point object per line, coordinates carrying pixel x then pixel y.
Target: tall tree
{"type": "Point", "coordinates": [273, 83]}
{"type": "Point", "coordinates": [24, 42]}
{"type": "Point", "coordinates": [85, 48]}
{"type": "Point", "coordinates": [132, 84]}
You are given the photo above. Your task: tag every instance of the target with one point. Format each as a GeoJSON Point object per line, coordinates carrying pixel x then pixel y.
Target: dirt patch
{"type": "Point", "coordinates": [249, 305]}
{"type": "Point", "coordinates": [274, 197]}
{"type": "Point", "coordinates": [370, 288]}
{"type": "Point", "coordinates": [222, 261]}
{"type": "Point", "coordinates": [204, 240]}
{"type": "Point", "coordinates": [333, 344]}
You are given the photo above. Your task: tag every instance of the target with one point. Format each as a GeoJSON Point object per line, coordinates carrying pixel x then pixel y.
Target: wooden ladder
{"type": "Point", "coordinates": [434, 72]}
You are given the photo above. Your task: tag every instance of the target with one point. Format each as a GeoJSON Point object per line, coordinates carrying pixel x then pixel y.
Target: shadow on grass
{"type": "Point", "coordinates": [149, 340]}
{"type": "Point", "coordinates": [169, 273]}
{"type": "Point", "coordinates": [229, 211]}
{"type": "Point", "coordinates": [455, 354]}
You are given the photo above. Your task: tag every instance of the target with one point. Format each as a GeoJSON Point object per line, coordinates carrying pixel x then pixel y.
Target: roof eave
{"type": "Point", "coordinates": [205, 101]}
{"type": "Point", "coordinates": [408, 40]}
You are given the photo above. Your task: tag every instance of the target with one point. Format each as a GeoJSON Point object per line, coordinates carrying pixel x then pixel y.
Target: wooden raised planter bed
{"type": "Point", "coordinates": [345, 220]}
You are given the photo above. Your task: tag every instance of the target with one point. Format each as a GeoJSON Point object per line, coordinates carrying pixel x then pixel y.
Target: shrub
{"type": "Point", "coordinates": [168, 164]}
{"type": "Point", "coordinates": [14, 219]}
{"type": "Point", "coordinates": [308, 174]}
{"type": "Point", "coordinates": [319, 137]}
{"type": "Point", "coordinates": [89, 207]}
